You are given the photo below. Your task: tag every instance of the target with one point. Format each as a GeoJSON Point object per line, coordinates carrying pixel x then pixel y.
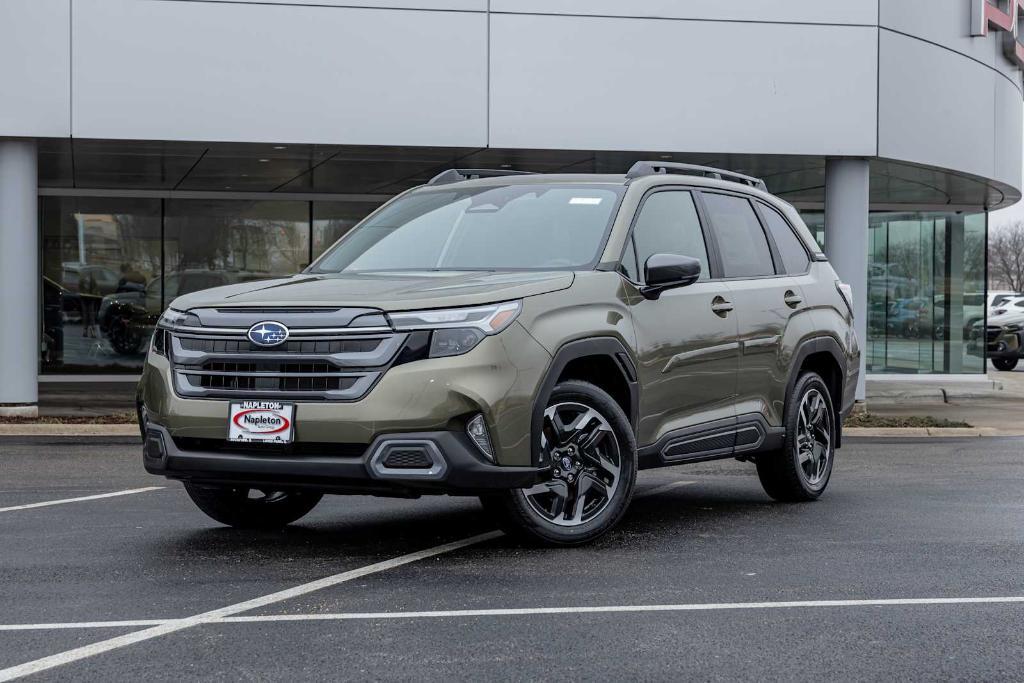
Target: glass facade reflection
{"type": "Point", "coordinates": [95, 253]}
{"type": "Point", "coordinates": [111, 265]}
{"type": "Point", "coordinates": [926, 290]}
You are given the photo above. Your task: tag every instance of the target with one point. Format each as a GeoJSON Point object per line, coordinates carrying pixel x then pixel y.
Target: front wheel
{"type": "Point", "coordinates": [589, 443]}
{"type": "Point", "coordinates": [1005, 364]}
{"type": "Point", "coordinates": [252, 508]}
{"type": "Point", "coordinates": [801, 470]}
{"type": "Point", "coordinates": [124, 340]}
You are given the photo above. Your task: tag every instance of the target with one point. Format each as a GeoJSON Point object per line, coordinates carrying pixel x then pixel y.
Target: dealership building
{"type": "Point", "coordinates": [153, 147]}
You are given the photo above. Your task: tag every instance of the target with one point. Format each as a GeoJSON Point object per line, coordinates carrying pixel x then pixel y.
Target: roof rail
{"type": "Point", "coordinates": [644, 168]}
{"type": "Point", "coordinates": [455, 175]}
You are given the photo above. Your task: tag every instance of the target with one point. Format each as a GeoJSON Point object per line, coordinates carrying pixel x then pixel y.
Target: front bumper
{"type": "Point", "coordinates": [499, 378]}
{"type": "Point", "coordinates": [456, 469]}
{"type": "Point", "coordinates": [1005, 345]}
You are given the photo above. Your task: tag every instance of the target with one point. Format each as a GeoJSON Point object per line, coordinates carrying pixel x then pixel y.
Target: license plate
{"type": "Point", "coordinates": [261, 421]}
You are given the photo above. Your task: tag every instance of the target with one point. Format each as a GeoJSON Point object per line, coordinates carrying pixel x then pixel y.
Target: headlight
{"type": "Point", "coordinates": [171, 318]}
{"type": "Point", "coordinates": [1012, 327]}
{"type": "Point", "coordinates": [458, 330]}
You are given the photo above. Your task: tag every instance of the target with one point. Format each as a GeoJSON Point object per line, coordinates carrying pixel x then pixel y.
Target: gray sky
{"type": "Point", "coordinates": [1007, 216]}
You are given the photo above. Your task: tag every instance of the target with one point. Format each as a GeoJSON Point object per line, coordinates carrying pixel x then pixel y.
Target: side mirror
{"type": "Point", "coordinates": [668, 271]}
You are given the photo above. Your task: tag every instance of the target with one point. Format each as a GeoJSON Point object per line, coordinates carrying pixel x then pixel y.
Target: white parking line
{"type": "Point", "coordinates": [84, 624]}
{"type": "Point", "coordinates": [175, 625]}
{"type": "Point", "coordinates": [515, 611]}
{"type": "Point", "coordinates": [696, 607]}
{"type": "Point", "coordinates": [63, 501]}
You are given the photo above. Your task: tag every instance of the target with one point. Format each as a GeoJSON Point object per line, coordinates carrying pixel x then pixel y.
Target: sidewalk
{"type": "Point", "coordinates": [996, 402]}
{"type": "Point", "coordinates": [65, 399]}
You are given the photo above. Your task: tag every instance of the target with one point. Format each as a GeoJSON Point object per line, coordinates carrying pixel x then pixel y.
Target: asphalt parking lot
{"type": "Point", "coordinates": [705, 578]}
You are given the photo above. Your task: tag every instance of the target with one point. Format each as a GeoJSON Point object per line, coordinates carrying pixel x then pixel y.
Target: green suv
{"type": "Point", "coordinates": [530, 339]}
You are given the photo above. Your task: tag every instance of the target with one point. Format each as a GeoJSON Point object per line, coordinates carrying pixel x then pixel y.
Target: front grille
{"type": "Point", "coordinates": [206, 345]}
{"type": "Point", "coordinates": [268, 376]}
{"type": "Point", "coordinates": [321, 361]}
{"type": "Point", "coordinates": [992, 333]}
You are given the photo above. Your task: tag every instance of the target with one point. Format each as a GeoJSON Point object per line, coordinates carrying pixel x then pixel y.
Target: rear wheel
{"type": "Point", "coordinates": [801, 470]}
{"type": "Point", "coordinates": [1005, 364]}
{"type": "Point", "coordinates": [590, 445]}
{"type": "Point", "coordinates": [252, 508]}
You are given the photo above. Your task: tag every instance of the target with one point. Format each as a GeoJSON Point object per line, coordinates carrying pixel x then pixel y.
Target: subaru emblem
{"type": "Point", "coordinates": [267, 333]}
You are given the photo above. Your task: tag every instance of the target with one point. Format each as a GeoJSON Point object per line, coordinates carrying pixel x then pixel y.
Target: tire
{"type": "Point", "coordinates": [1005, 364]}
{"type": "Point", "coordinates": [797, 473]}
{"type": "Point", "coordinates": [590, 443]}
{"type": "Point", "coordinates": [123, 339]}
{"type": "Point", "coordinates": [236, 506]}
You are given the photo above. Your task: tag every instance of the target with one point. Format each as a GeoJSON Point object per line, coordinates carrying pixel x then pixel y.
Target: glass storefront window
{"type": "Point", "coordinates": [926, 292]}
{"type": "Point", "coordinates": [111, 265]}
{"type": "Point", "coordinates": [208, 243]}
{"type": "Point", "coordinates": [101, 262]}
{"type": "Point", "coordinates": [815, 221]}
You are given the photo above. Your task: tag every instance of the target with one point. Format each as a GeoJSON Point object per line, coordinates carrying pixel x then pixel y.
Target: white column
{"type": "Point", "coordinates": [19, 278]}
{"type": "Point", "coordinates": [846, 238]}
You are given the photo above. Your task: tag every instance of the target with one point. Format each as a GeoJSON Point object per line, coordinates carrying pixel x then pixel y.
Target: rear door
{"type": "Point", "coordinates": [686, 338]}
{"type": "Point", "coordinates": [766, 298]}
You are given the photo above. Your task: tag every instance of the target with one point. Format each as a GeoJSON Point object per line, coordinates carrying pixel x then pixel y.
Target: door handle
{"type": "Point", "coordinates": [792, 299]}
{"type": "Point", "coordinates": [720, 306]}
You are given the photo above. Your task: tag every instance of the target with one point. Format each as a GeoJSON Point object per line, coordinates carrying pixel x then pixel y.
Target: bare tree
{"type": "Point", "coordinates": [1006, 257]}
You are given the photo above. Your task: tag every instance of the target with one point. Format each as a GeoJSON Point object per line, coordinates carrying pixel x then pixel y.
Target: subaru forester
{"type": "Point", "coordinates": [530, 339]}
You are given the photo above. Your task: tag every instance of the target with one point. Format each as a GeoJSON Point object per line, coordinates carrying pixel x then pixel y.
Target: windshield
{"type": "Point", "coordinates": [514, 227]}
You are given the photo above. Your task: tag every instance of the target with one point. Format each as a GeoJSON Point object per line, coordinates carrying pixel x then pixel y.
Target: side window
{"type": "Point", "coordinates": [794, 256]}
{"type": "Point", "coordinates": [668, 224]}
{"type": "Point", "coordinates": [741, 240]}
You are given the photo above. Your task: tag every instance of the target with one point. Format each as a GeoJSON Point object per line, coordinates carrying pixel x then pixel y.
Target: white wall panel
{"type": "Point", "coordinates": [35, 68]}
{"type": "Point", "coordinates": [811, 11]}
{"type": "Point", "coordinates": [234, 72]}
{"type": "Point", "coordinates": [947, 23]}
{"type": "Point", "coordinates": [937, 107]}
{"type": "Point", "coordinates": [604, 83]}
{"type": "Point", "coordinates": [1008, 134]}
{"type": "Point", "coordinates": [461, 5]}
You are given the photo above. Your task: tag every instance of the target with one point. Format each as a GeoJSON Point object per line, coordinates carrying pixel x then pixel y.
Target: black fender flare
{"type": "Point", "coordinates": [818, 345]}
{"type": "Point", "coordinates": [610, 347]}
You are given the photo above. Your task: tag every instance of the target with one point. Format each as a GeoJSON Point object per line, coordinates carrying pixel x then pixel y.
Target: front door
{"type": "Point", "coordinates": [686, 339]}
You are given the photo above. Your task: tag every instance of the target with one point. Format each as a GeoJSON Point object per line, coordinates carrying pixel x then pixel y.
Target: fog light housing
{"type": "Point", "coordinates": [454, 342]}
{"type": "Point", "coordinates": [476, 429]}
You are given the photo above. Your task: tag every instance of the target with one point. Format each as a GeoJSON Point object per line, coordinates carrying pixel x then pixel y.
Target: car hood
{"type": "Point", "coordinates": [392, 291]}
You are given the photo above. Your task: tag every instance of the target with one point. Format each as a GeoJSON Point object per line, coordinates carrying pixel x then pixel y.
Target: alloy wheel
{"type": "Point", "coordinates": [814, 437]}
{"type": "Point", "coordinates": [585, 460]}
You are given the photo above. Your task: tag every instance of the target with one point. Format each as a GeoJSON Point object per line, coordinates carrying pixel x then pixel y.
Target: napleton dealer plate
{"type": "Point", "coordinates": [261, 421]}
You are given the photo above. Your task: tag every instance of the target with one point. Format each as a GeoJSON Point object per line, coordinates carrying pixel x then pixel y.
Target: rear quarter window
{"type": "Point", "coordinates": [794, 256]}
{"type": "Point", "coordinates": [740, 237]}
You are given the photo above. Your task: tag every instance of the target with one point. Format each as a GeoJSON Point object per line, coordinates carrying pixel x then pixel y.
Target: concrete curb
{"type": "Point", "coordinates": [69, 430]}
{"type": "Point", "coordinates": [930, 431]}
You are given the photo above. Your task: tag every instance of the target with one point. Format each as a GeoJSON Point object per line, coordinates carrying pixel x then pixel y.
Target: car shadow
{"type": "Point", "coordinates": [696, 509]}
